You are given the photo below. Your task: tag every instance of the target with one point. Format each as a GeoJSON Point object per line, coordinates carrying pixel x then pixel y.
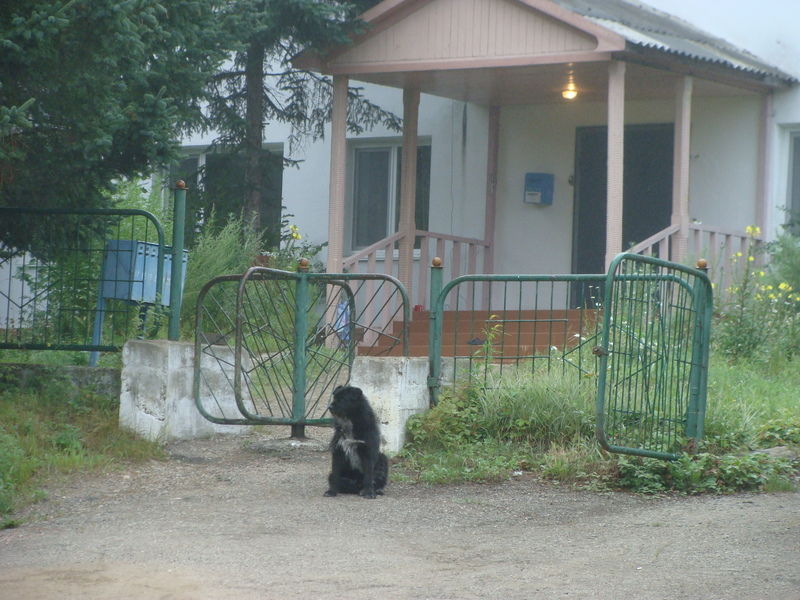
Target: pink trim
{"type": "Point", "coordinates": [680, 165]}
{"type": "Point", "coordinates": [492, 152]}
{"type": "Point", "coordinates": [450, 238]}
{"type": "Point", "coordinates": [337, 174]}
{"type": "Point", "coordinates": [616, 153]}
{"type": "Point", "coordinates": [646, 246]}
{"type": "Point", "coordinates": [460, 63]}
{"type": "Point", "coordinates": [607, 41]}
{"type": "Point", "coordinates": [389, 12]}
{"type": "Point", "coordinates": [764, 160]}
{"type": "Point", "coordinates": [408, 183]}
{"type": "Point", "coordinates": [385, 9]}
{"type": "Point", "coordinates": [372, 249]}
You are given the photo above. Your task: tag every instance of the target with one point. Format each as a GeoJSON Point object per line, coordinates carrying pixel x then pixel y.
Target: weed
{"type": "Point", "coordinates": [760, 313]}
{"type": "Point", "coordinates": [51, 426]}
{"type": "Point", "coordinates": [545, 425]}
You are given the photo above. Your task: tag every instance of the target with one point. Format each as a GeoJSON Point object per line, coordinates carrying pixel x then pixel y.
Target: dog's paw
{"type": "Point", "coordinates": [330, 493]}
{"type": "Point", "coordinates": [369, 494]}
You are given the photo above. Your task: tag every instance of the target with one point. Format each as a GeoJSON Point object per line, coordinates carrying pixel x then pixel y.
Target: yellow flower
{"type": "Point", "coordinates": [752, 230]}
{"type": "Point", "coordinates": [783, 286]}
{"type": "Point", "coordinates": [761, 273]}
{"type": "Point", "coordinates": [772, 296]}
{"type": "Point", "coordinates": [750, 258]}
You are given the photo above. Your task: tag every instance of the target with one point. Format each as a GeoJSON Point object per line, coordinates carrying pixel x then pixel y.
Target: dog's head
{"type": "Point", "coordinates": [348, 402]}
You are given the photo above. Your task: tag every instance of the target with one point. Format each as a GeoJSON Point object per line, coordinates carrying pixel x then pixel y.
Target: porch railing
{"type": "Point", "coordinates": [462, 255]}
{"type": "Point", "coordinates": [725, 251]}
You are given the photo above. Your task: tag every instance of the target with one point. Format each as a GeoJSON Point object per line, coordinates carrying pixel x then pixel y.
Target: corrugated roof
{"type": "Point", "coordinates": [646, 27]}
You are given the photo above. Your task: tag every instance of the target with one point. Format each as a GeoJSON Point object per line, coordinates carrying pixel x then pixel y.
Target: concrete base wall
{"type": "Point", "coordinates": [397, 388]}
{"type": "Point", "coordinates": [156, 399]}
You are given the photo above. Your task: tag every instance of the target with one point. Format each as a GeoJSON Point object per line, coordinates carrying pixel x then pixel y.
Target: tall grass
{"type": "Point", "coordinates": [544, 425]}
{"type": "Point", "coordinates": [51, 427]}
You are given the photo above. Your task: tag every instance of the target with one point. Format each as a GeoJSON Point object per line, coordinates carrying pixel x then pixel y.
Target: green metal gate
{"type": "Point", "coordinates": [84, 281]}
{"type": "Point", "coordinates": [653, 370]}
{"type": "Point", "coordinates": [271, 345]}
{"type": "Point", "coordinates": [641, 331]}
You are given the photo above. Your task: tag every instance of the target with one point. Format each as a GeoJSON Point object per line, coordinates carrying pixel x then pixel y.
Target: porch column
{"type": "Point", "coordinates": [680, 168]}
{"type": "Point", "coordinates": [337, 174]}
{"type": "Point", "coordinates": [764, 160]}
{"type": "Point", "coordinates": [616, 141]}
{"type": "Point", "coordinates": [491, 188]}
{"type": "Point", "coordinates": [408, 184]}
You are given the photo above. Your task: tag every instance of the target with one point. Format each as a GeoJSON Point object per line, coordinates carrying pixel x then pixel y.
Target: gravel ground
{"type": "Point", "coordinates": [245, 518]}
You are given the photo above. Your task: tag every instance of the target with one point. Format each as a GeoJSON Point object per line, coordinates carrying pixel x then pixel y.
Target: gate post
{"type": "Point", "coordinates": [434, 332]}
{"type": "Point", "coordinates": [300, 330]}
{"type": "Point", "coordinates": [176, 283]}
{"type": "Point", "coordinates": [702, 299]}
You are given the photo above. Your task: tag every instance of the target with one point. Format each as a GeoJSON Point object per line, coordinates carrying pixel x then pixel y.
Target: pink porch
{"type": "Point", "coordinates": [500, 53]}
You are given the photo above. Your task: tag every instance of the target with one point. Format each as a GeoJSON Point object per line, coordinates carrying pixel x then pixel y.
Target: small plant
{"type": "Point", "coordinates": [48, 425]}
{"type": "Point", "coordinates": [760, 317]}
{"type": "Point", "coordinates": [780, 432]}
{"type": "Point", "coordinates": [704, 473]}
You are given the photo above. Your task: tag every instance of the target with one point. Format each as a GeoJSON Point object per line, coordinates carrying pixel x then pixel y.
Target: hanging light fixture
{"type": "Point", "coordinates": [570, 91]}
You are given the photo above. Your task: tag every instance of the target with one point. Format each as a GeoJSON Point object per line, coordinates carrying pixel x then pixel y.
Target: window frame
{"type": "Point", "coordinates": [792, 218]}
{"type": "Point", "coordinates": [395, 147]}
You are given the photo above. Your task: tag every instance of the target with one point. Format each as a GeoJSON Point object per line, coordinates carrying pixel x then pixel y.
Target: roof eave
{"type": "Point", "coordinates": [717, 71]}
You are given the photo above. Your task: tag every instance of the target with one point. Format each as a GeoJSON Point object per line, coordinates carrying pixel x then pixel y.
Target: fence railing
{"type": "Point", "coordinates": [88, 279]}
{"type": "Point", "coordinates": [724, 250]}
{"type": "Point", "coordinates": [287, 339]}
{"type": "Point", "coordinates": [84, 280]}
{"type": "Point", "coordinates": [462, 255]}
{"type": "Point", "coordinates": [532, 323]}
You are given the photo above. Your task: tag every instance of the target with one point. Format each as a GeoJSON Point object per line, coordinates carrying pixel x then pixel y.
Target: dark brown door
{"type": "Point", "coordinates": [647, 190]}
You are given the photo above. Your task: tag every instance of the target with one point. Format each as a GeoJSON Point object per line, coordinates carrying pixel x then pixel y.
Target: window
{"type": "Point", "coordinates": [376, 192]}
{"type": "Point", "coordinates": [793, 204]}
{"type": "Point", "coordinates": [218, 183]}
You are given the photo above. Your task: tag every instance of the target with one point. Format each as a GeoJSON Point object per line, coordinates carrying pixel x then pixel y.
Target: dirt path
{"type": "Point", "coordinates": [230, 519]}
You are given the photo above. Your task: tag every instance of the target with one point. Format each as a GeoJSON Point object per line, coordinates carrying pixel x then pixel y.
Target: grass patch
{"type": "Point", "coordinates": [53, 427]}
{"type": "Point", "coordinates": [545, 426]}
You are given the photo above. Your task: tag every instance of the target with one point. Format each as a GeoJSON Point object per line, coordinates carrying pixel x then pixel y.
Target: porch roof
{"type": "Point", "coordinates": [524, 51]}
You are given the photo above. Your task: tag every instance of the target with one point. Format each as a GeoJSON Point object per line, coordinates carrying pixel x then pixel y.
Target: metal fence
{"type": "Point", "coordinates": [285, 340]}
{"type": "Point", "coordinates": [534, 323]}
{"type": "Point", "coordinates": [88, 279]}
{"type": "Point", "coordinates": [653, 357]}
{"type": "Point", "coordinates": [639, 332]}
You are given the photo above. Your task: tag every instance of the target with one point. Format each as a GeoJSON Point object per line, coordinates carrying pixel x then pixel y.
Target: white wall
{"type": "Point", "coordinates": [458, 164]}
{"type": "Point", "coordinates": [538, 239]}
{"type": "Point", "coordinates": [769, 30]}
{"type": "Point", "coordinates": [725, 137]}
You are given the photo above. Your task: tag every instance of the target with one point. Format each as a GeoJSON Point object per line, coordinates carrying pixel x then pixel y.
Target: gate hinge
{"type": "Point", "coordinates": [599, 351]}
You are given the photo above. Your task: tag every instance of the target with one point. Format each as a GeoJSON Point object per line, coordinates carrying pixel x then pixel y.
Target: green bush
{"type": "Point", "coordinates": [544, 424]}
{"type": "Point", "coordinates": [540, 411]}
{"type": "Point", "coordinates": [759, 316]}
{"type": "Point", "coordinates": [703, 473]}
{"type": "Point", "coordinates": [780, 432]}
{"type": "Point", "coordinates": [48, 425]}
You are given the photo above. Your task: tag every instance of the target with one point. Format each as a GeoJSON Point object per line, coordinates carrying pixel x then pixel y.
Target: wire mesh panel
{"type": "Point", "coordinates": [654, 357]}
{"type": "Point", "coordinates": [84, 280]}
{"type": "Point", "coordinates": [287, 339]}
{"type": "Point", "coordinates": [534, 323]}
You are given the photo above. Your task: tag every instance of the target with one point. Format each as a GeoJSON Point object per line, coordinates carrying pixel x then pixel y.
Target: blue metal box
{"type": "Point", "coordinates": [130, 269]}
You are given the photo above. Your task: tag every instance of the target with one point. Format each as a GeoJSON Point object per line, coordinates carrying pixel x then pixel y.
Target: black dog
{"type": "Point", "coordinates": [357, 464]}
